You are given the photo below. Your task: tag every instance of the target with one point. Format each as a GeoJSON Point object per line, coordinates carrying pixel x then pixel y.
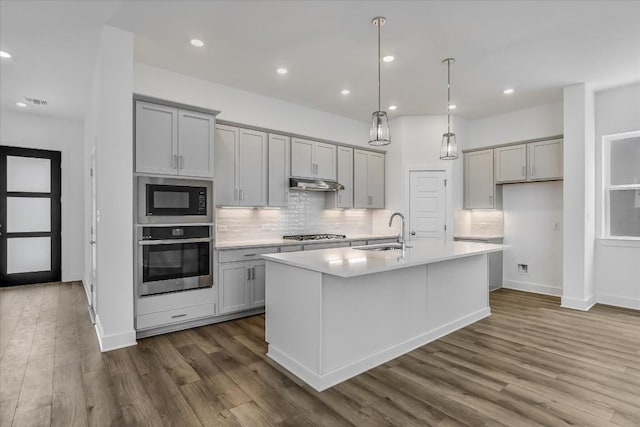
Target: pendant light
{"type": "Point", "coordinates": [449, 147]}
{"type": "Point", "coordinates": [379, 133]}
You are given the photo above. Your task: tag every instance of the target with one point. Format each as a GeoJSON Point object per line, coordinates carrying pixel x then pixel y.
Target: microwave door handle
{"type": "Point", "coordinates": [174, 241]}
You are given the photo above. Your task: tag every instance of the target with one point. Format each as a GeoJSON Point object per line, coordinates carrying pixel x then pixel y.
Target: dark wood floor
{"type": "Point", "coordinates": [530, 363]}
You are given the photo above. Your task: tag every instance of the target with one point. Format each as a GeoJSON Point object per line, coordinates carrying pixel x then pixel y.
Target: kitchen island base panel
{"type": "Point", "coordinates": [326, 329]}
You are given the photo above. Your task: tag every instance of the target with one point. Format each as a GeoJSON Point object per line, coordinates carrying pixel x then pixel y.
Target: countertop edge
{"type": "Point", "coordinates": [374, 270]}
{"type": "Point", "coordinates": [303, 242]}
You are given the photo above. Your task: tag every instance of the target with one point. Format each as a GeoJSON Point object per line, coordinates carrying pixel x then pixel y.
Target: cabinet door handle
{"type": "Point", "coordinates": [253, 273]}
{"type": "Point", "coordinates": [181, 161]}
{"type": "Point", "coordinates": [241, 194]}
{"type": "Point", "coordinates": [531, 169]}
{"type": "Point", "coordinates": [524, 170]}
{"type": "Point", "coordinates": [174, 161]}
{"type": "Point", "coordinates": [491, 200]}
{"type": "Point", "coordinates": [248, 273]}
{"type": "Point", "coordinates": [178, 315]}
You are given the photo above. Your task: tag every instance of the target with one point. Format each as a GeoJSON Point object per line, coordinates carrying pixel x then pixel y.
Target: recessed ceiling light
{"type": "Point", "coordinates": [388, 58]}
{"type": "Point", "coordinates": [197, 43]}
{"type": "Point", "coordinates": [282, 71]}
{"type": "Point", "coordinates": [508, 91]}
{"type": "Point", "coordinates": [21, 104]}
{"type": "Point", "coordinates": [4, 54]}
{"type": "Point", "coordinates": [345, 91]}
{"type": "Point", "coordinates": [452, 107]}
{"type": "Point", "coordinates": [392, 107]}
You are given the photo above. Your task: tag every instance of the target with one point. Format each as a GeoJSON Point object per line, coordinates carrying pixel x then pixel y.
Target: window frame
{"type": "Point", "coordinates": [608, 188]}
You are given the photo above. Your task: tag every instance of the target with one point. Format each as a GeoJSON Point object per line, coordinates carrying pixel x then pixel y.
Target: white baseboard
{"type": "Point", "coordinates": [532, 287]}
{"type": "Point", "coordinates": [625, 302]}
{"type": "Point", "coordinates": [329, 379]}
{"type": "Point", "coordinates": [73, 277]}
{"type": "Point", "coordinates": [578, 304]}
{"type": "Point", "coordinates": [114, 341]}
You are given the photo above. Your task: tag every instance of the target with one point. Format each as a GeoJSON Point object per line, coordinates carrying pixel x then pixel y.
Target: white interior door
{"type": "Point", "coordinates": [30, 216]}
{"type": "Point", "coordinates": [427, 192]}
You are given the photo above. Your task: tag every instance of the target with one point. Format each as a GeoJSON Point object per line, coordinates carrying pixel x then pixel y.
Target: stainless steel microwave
{"type": "Point", "coordinates": [174, 201]}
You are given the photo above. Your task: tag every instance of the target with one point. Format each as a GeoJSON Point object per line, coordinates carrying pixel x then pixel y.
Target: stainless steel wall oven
{"type": "Point", "coordinates": [172, 259]}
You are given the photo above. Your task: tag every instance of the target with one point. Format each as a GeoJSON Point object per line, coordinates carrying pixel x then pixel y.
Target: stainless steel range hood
{"type": "Point", "coordinates": [304, 184]}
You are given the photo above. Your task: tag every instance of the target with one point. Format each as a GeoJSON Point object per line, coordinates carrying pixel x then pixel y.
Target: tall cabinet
{"type": "Point", "coordinates": [368, 179]}
{"type": "Point", "coordinates": [173, 141]}
{"type": "Point", "coordinates": [241, 166]}
{"type": "Point", "coordinates": [279, 170]}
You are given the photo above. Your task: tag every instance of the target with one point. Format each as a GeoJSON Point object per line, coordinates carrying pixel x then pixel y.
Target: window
{"type": "Point", "coordinates": [621, 175]}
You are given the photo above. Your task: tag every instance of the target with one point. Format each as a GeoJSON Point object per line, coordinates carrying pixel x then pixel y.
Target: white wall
{"type": "Point", "coordinates": [535, 122]}
{"type": "Point", "coordinates": [579, 193]}
{"type": "Point", "coordinates": [416, 143]}
{"type": "Point", "coordinates": [30, 130]}
{"type": "Point", "coordinates": [533, 211]}
{"type": "Point", "coordinates": [617, 270]}
{"type": "Point", "coordinates": [248, 108]}
{"type": "Point", "coordinates": [109, 125]}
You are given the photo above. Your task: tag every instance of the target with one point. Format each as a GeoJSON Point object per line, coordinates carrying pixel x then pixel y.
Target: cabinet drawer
{"type": "Point", "coordinates": [381, 241]}
{"type": "Point", "coordinates": [296, 248]}
{"type": "Point", "coordinates": [325, 246]}
{"type": "Point", "coordinates": [235, 255]}
{"type": "Point", "coordinates": [179, 315]}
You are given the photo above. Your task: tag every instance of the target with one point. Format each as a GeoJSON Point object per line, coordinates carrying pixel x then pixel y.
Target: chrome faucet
{"type": "Point", "coordinates": [401, 236]}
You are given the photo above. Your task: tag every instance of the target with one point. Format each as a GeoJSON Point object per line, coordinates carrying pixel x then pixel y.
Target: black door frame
{"type": "Point", "coordinates": [54, 275]}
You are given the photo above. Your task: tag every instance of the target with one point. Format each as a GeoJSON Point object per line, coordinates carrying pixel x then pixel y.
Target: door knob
{"type": "Point", "coordinates": [413, 233]}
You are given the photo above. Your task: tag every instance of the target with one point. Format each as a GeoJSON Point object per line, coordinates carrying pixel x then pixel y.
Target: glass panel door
{"type": "Point", "coordinates": [30, 244]}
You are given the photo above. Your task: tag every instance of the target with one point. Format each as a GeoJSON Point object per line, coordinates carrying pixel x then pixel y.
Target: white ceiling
{"type": "Point", "coordinates": [536, 47]}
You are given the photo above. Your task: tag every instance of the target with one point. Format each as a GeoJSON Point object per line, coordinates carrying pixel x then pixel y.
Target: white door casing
{"type": "Point", "coordinates": [427, 192]}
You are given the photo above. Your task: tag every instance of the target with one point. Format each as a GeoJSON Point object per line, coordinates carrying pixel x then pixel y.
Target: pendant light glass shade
{"type": "Point", "coordinates": [449, 147]}
{"type": "Point", "coordinates": [379, 133]}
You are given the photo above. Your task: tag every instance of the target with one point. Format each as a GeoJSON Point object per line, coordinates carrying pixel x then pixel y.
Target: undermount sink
{"type": "Point", "coordinates": [380, 247]}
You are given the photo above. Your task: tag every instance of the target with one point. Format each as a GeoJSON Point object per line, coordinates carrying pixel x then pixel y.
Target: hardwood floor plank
{"type": "Point", "coordinates": [530, 363]}
{"type": "Point", "coordinates": [69, 405]}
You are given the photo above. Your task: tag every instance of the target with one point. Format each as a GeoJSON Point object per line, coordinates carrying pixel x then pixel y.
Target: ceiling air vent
{"type": "Point", "coordinates": [33, 101]}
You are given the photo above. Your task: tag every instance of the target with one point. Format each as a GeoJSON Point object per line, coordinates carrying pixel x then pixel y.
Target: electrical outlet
{"type": "Point", "coordinates": [221, 227]}
{"type": "Point", "coordinates": [523, 269]}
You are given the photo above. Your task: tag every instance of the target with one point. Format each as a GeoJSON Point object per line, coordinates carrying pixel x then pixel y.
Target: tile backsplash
{"type": "Point", "coordinates": [479, 222]}
{"type": "Point", "coordinates": [304, 215]}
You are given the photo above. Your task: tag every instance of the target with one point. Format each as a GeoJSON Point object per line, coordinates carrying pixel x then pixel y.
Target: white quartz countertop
{"type": "Point", "coordinates": [478, 236]}
{"type": "Point", "coordinates": [350, 262]}
{"type": "Point", "coordinates": [245, 244]}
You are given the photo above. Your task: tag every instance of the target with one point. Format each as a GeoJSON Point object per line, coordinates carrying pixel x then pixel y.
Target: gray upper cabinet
{"type": "Point", "coordinates": [195, 144]}
{"type": "Point", "coordinates": [313, 159]}
{"type": "Point", "coordinates": [156, 139]}
{"type": "Point", "coordinates": [479, 185]}
{"type": "Point", "coordinates": [279, 163]}
{"type": "Point", "coordinates": [533, 161]}
{"type": "Point", "coordinates": [368, 180]}
{"type": "Point", "coordinates": [545, 160]}
{"type": "Point", "coordinates": [241, 167]}
{"type": "Point", "coordinates": [344, 198]}
{"type": "Point", "coordinates": [510, 163]}
{"type": "Point", "coordinates": [171, 141]}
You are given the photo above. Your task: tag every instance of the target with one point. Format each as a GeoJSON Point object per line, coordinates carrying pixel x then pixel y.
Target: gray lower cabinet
{"type": "Point", "coordinates": [495, 261]}
{"type": "Point", "coordinates": [241, 286]}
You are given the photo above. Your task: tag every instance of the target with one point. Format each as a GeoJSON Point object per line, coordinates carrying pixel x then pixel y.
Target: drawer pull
{"type": "Point", "coordinates": [178, 315]}
{"type": "Point", "coordinates": [250, 254]}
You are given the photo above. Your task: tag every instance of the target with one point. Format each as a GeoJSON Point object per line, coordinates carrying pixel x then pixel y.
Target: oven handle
{"type": "Point", "coordinates": [173, 241]}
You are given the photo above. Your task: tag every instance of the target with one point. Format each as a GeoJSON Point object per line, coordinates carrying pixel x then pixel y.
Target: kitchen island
{"type": "Point", "coordinates": [332, 314]}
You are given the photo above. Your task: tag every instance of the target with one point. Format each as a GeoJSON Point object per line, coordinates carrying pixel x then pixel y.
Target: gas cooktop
{"type": "Point", "coordinates": [315, 237]}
